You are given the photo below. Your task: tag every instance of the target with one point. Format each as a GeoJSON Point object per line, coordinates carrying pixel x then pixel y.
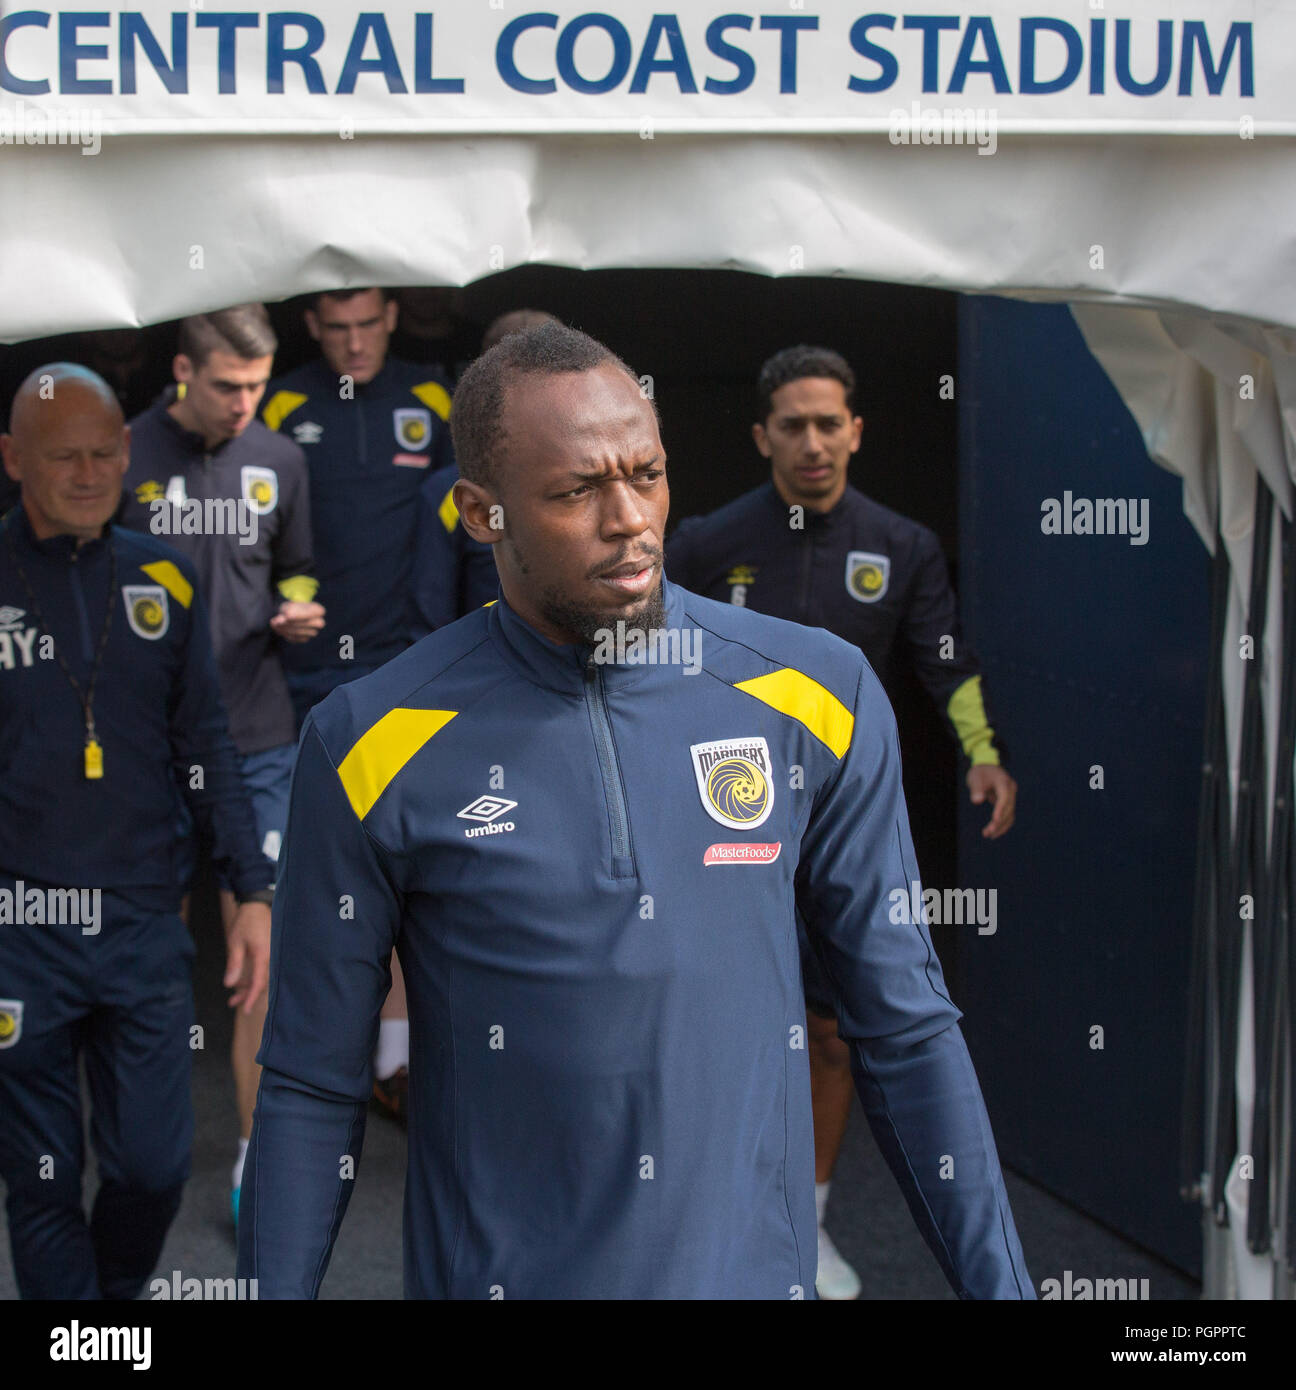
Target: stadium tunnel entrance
{"type": "Point", "coordinates": [975, 411]}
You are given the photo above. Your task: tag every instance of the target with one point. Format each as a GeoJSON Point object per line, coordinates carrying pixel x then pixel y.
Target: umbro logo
{"type": "Point", "coordinates": [308, 432]}
{"type": "Point", "coordinates": [487, 810]}
{"type": "Point", "coordinates": [10, 618]}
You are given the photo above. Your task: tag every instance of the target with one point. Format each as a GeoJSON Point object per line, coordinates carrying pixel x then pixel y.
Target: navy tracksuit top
{"type": "Point", "coordinates": [369, 450]}
{"type": "Point", "coordinates": [589, 869]}
{"type": "Point", "coordinates": [877, 579]}
{"type": "Point", "coordinates": [158, 717]}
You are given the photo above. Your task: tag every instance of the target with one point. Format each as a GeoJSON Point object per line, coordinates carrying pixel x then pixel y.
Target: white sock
{"type": "Point", "coordinates": [236, 1176]}
{"type": "Point", "coordinates": [821, 1199]}
{"type": "Point", "coordinates": [392, 1051]}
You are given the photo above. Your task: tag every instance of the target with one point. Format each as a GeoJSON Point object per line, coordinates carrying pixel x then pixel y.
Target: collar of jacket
{"type": "Point", "coordinates": [189, 441]}
{"type": "Point", "coordinates": [816, 521]}
{"type": "Point", "coordinates": [562, 667]}
{"type": "Point", "coordinates": [59, 547]}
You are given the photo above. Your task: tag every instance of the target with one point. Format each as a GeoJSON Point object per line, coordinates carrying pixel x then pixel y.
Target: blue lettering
{"type": "Point", "coordinates": [980, 27]}
{"type": "Point", "coordinates": [1027, 82]}
{"type": "Point", "coordinates": [615, 75]}
{"type": "Point", "coordinates": [1194, 37]}
{"type": "Point", "coordinates": [9, 82]}
{"type": "Point", "coordinates": [741, 59]}
{"type": "Point", "coordinates": [371, 22]}
{"type": "Point", "coordinates": [71, 52]}
{"type": "Point", "coordinates": [504, 63]}
{"type": "Point", "coordinates": [227, 27]}
{"type": "Point", "coordinates": [1165, 33]}
{"type": "Point", "coordinates": [883, 57]}
{"type": "Point", "coordinates": [423, 79]}
{"type": "Point", "coordinates": [788, 26]}
{"type": "Point", "coordinates": [1097, 57]}
{"type": "Point", "coordinates": [279, 55]}
{"type": "Point", "coordinates": [133, 30]}
{"type": "Point", "coordinates": [931, 26]}
{"type": "Point", "coordinates": [664, 25]}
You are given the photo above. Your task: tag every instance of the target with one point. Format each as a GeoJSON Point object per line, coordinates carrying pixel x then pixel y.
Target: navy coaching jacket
{"type": "Point", "coordinates": [369, 450]}
{"type": "Point", "coordinates": [589, 867]}
{"type": "Point", "coordinates": [158, 717]}
{"type": "Point", "coordinates": [861, 570]}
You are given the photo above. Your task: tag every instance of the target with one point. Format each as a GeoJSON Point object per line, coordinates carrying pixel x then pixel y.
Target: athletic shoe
{"type": "Point", "coordinates": [835, 1279]}
{"type": "Point", "coordinates": [391, 1095]}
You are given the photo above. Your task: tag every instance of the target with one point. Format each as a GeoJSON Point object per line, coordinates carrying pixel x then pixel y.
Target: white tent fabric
{"type": "Point", "coordinates": [1216, 403]}
{"type": "Point", "coordinates": [156, 227]}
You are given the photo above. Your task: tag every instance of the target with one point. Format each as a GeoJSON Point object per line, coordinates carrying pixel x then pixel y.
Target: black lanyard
{"type": "Point", "coordinates": [93, 751]}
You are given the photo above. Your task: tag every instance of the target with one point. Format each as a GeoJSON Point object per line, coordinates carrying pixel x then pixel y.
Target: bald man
{"type": "Point", "coordinates": [110, 711]}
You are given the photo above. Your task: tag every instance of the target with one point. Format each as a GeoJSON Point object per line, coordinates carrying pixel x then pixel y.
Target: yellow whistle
{"type": "Point", "coordinates": [93, 759]}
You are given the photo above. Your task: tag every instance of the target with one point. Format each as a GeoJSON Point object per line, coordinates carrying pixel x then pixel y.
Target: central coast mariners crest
{"type": "Point", "coordinates": [11, 1011]}
{"type": "Point", "coordinates": [260, 489]}
{"type": "Point", "coordinates": [735, 781]}
{"type": "Point", "coordinates": [413, 427]}
{"type": "Point", "coordinates": [867, 575]}
{"type": "Point", "coordinates": [147, 610]}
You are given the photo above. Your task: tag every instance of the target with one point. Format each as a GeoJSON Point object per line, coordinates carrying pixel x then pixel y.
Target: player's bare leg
{"type": "Point", "coordinates": [831, 1089]}
{"type": "Point", "coordinates": [243, 1051]}
{"type": "Point", "coordinates": [391, 1057]}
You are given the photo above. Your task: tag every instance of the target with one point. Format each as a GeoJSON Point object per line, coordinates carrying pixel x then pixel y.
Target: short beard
{"type": "Point", "coordinates": [590, 626]}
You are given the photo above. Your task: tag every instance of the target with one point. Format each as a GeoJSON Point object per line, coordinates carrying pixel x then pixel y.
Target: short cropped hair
{"type": "Point", "coordinates": [477, 420]}
{"type": "Point", "coordinates": [243, 330]}
{"type": "Point", "coordinates": [313, 301]}
{"type": "Point", "coordinates": [794, 363]}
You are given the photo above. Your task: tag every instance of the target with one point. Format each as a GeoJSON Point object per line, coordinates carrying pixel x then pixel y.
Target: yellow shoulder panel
{"type": "Point", "coordinates": [371, 765]}
{"type": "Point", "coordinates": [165, 573]}
{"type": "Point", "coordinates": [448, 512]}
{"type": "Point", "coordinates": [434, 396]}
{"type": "Point", "coordinates": [281, 406]}
{"type": "Point", "coordinates": [805, 700]}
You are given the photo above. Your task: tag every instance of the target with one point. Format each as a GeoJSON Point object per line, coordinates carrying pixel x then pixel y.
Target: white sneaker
{"type": "Point", "coordinates": [835, 1279]}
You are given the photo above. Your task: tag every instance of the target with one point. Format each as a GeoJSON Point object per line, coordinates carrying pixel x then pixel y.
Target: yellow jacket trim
{"type": "Point", "coordinates": [805, 700]}
{"type": "Point", "coordinates": [165, 573]}
{"type": "Point", "coordinates": [298, 588]}
{"type": "Point", "coordinates": [966, 710]}
{"type": "Point", "coordinates": [448, 512]}
{"type": "Point", "coordinates": [434, 396]}
{"type": "Point", "coordinates": [368, 769]}
{"type": "Point", "coordinates": [281, 406]}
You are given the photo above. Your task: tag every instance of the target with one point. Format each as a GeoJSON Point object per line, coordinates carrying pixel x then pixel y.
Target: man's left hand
{"type": "Point", "coordinates": [297, 622]}
{"type": "Point", "coordinates": [247, 967]}
{"type": "Point", "coordinates": [987, 781]}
